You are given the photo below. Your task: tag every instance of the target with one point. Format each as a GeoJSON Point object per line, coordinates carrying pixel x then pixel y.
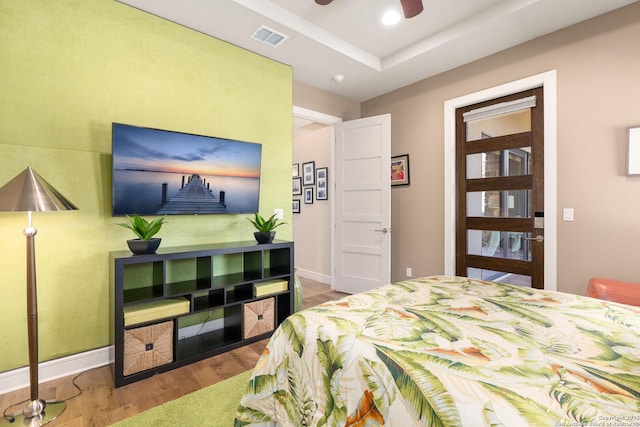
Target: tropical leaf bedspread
{"type": "Point", "coordinates": [450, 351]}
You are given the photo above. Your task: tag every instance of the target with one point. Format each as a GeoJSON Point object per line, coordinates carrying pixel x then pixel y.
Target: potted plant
{"type": "Point", "coordinates": [145, 230]}
{"type": "Point", "coordinates": [265, 227]}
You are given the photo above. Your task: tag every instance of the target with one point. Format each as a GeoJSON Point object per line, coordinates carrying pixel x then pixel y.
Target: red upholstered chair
{"type": "Point", "coordinates": [614, 290]}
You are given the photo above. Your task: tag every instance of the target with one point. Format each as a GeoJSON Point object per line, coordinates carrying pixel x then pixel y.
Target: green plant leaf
{"type": "Point", "coordinates": [265, 225]}
{"type": "Point", "coordinates": [532, 411]}
{"type": "Point", "coordinates": [294, 327]}
{"type": "Point", "coordinates": [287, 392]}
{"type": "Point", "coordinates": [380, 382]}
{"type": "Point", "coordinates": [421, 389]}
{"type": "Point", "coordinates": [142, 228]}
{"type": "Point", "coordinates": [331, 360]}
{"type": "Point", "coordinates": [522, 310]}
{"type": "Point", "coordinates": [247, 416]}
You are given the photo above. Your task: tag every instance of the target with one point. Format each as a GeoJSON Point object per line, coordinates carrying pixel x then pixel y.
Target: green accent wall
{"type": "Point", "coordinates": [69, 69]}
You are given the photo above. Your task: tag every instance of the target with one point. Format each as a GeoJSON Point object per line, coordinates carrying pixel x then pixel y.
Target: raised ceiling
{"type": "Point", "coordinates": [346, 37]}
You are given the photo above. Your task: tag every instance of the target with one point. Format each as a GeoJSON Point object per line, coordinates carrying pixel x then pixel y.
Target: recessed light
{"type": "Point", "coordinates": [338, 78]}
{"type": "Point", "coordinates": [391, 17]}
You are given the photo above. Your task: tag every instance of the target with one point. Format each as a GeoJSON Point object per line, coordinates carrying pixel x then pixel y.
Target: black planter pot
{"type": "Point", "coordinates": [264, 237]}
{"type": "Point", "coordinates": [143, 247]}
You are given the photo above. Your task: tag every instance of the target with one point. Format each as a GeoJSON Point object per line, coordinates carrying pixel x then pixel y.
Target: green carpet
{"type": "Point", "coordinates": [212, 406]}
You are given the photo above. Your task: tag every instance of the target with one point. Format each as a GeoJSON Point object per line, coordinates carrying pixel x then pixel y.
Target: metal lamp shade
{"type": "Point", "coordinates": [30, 192]}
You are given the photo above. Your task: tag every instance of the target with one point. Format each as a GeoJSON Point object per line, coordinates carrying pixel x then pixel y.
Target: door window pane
{"type": "Point", "coordinates": [514, 162]}
{"type": "Point", "coordinates": [499, 276]}
{"type": "Point", "coordinates": [499, 244]}
{"type": "Point", "coordinates": [500, 125]}
{"type": "Point", "coordinates": [505, 204]}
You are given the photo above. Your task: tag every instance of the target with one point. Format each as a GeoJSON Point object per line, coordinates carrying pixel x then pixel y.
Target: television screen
{"type": "Point", "coordinates": [160, 172]}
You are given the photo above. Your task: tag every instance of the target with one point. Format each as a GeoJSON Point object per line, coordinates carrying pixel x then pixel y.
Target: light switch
{"type": "Point", "coordinates": [279, 213]}
{"type": "Point", "coordinates": [567, 214]}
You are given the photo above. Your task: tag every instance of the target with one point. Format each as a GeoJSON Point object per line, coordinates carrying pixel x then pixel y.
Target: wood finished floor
{"type": "Point", "coordinates": [100, 404]}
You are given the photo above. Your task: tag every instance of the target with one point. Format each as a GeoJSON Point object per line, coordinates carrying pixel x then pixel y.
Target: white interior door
{"type": "Point", "coordinates": [362, 243]}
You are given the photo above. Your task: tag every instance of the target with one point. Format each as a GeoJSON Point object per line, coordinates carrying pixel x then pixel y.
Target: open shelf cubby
{"type": "Point", "coordinates": [208, 300]}
{"type": "Point", "coordinates": [194, 301]}
{"type": "Point", "coordinates": [211, 335]}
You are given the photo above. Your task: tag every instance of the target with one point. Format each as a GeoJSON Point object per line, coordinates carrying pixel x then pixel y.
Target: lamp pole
{"type": "Point", "coordinates": [35, 406]}
{"type": "Point", "coordinates": [28, 192]}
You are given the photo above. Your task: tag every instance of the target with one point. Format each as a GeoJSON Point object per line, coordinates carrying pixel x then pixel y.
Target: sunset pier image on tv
{"type": "Point", "coordinates": [160, 172]}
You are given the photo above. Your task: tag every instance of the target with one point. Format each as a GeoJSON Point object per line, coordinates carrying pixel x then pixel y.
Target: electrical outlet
{"type": "Point", "coordinates": [409, 272]}
{"type": "Point", "coordinates": [279, 213]}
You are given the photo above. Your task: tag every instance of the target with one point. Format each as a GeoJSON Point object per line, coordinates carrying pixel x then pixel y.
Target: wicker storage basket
{"type": "Point", "coordinates": [257, 317]}
{"type": "Point", "coordinates": [147, 347]}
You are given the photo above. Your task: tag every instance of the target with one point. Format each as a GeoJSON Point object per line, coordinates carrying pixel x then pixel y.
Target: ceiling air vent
{"type": "Point", "coordinates": [268, 36]}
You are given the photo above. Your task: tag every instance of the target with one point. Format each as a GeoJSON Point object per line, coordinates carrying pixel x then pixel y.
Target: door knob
{"type": "Point", "coordinates": [539, 238]}
{"type": "Point", "coordinates": [384, 230]}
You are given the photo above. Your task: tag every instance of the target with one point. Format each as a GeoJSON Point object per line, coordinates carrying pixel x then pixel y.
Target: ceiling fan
{"type": "Point", "coordinates": [410, 8]}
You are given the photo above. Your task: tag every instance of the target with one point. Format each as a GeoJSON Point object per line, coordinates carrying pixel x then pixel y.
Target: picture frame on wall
{"type": "Point", "coordinates": [322, 188]}
{"type": "Point", "coordinates": [308, 195]}
{"type": "Point", "coordinates": [296, 187]}
{"type": "Point", "coordinates": [400, 170]}
{"type": "Point", "coordinates": [296, 206]}
{"type": "Point", "coordinates": [296, 169]}
{"type": "Point", "coordinates": [308, 173]}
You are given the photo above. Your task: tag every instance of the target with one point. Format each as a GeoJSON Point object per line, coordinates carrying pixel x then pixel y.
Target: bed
{"type": "Point", "coordinates": [450, 351]}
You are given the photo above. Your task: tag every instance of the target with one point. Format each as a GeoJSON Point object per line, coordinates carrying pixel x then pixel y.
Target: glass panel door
{"type": "Point", "coordinates": [499, 192]}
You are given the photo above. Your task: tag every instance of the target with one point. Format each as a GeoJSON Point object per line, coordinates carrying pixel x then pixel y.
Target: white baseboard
{"type": "Point", "coordinates": [57, 368]}
{"type": "Point", "coordinates": [318, 277]}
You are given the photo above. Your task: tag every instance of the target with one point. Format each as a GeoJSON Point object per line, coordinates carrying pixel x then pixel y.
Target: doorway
{"type": "Point", "coordinates": [506, 240]}
{"type": "Point", "coordinates": [500, 189]}
{"type": "Point", "coordinates": [313, 138]}
{"type": "Point", "coordinates": [359, 196]}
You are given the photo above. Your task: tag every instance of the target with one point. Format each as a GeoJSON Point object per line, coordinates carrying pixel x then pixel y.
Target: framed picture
{"type": "Point", "coordinates": [296, 169]}
{"type": "Point", "coordinates": [296, 206]}
{"type": "Point", "coordinates": [297, 186]}
{"type": "Point", "coordinates": [308, 173]}
{"type": "Point", "coordinates": [308, 195]}
{"type": "Point", "coordinates": [322, 176]}
{"type": "Point", "coordinates": [400, 170]}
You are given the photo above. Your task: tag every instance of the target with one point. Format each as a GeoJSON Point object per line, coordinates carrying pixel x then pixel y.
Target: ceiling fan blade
{"type": "Point", "coordinates": [410, 8]}
{"type": "Point", "coordinates": [323, 2]}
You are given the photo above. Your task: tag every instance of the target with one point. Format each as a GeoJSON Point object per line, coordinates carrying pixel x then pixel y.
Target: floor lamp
{"type": "Point", "coordinates": [28, 192]}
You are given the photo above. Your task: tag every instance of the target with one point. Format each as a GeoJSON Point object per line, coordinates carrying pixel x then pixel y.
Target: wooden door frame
{"type": "Point", "coordinates": [532, 183]}
{"type": "Point", "coordinates": [548, 81]}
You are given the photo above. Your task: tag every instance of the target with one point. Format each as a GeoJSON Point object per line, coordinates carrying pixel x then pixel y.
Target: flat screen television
{"type": "Point", "coordinates": [161, 172]}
